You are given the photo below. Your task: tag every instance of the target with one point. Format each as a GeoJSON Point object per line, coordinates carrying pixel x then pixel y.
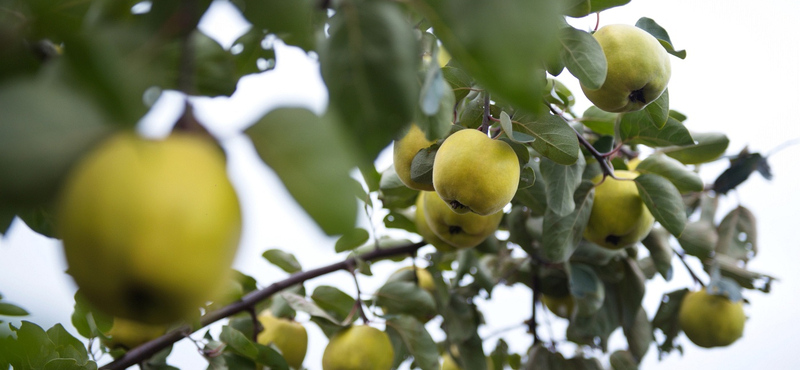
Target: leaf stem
{"type": "Point", "coordinates": [152, 347]}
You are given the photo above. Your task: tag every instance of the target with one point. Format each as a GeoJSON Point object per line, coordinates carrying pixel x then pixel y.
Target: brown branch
{"type": "Point", "coordinates": [152, 347]}
{"type": "Point", "coordinates": [486, 113]}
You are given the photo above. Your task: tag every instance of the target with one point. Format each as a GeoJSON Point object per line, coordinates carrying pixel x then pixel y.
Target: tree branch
{"type": "Point", "coordinates": [486, 113]}
{"type": "Point", "coordinates": [152, 347]}
{"type": "Point", "coordinates": [682, 257]}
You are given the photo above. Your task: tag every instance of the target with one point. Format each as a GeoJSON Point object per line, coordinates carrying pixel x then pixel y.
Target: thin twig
{"type": "Point", "coordinates": [682, 257]}
{"type": "Point", "coordinates": [152, 347]}
{"type": "Point", "coordinates": [607, 170]}
{"type": "Point", "coordinates": [486, 113]}
{"type": "Point", "coordinates": [359, 302]}
{"type": "Point", "coordinates": [257, 327]}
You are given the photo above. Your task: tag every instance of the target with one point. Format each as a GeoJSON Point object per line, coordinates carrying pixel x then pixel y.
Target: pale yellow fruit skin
{"type": "Point", "coordinates": [150, 228]}
{"type": "Point", "coordinates": [424, 230]}
{"type": "Point", "coordinates": [619, 216]}
{"type": "Point", "coordinates": [130, 334]}
{"type": "Point", "coordinates": [472, 172]}
{"type": "Point", "coordinates": [636, 61]}
{"type": "Point", "coordinates": [449, 364]}
{"type": "Point", "coordinates": [560, 306]}
{"type": "Point", "coordinates": [289, 336]}
{"type": "Point", "coordinates": [358, 347]}
{"type": "Point", "coordinates": [459, 230]}
{"type": "Point", "coordinates": [711, 320]}
{"type": "Point", "coordinates": [404, 151]}
{"type": "Point", "coordinates": [424, 276]}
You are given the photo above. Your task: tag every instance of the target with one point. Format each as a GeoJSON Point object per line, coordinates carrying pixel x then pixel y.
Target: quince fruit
{"type": "Point", "coordinates": [359, 347]}
{"type": "Point", "coordinates": [711, 320]}
{"type": "Point", "coordinates": [424, 230]}
{"type": "Point", "coordinates": [288, 335]}
{"type": "Point", "coordinates": [638, 69]}
{"type": "Point", "coordinates": [404, 151]}
{"type": "Point", "coordinates": [131, 334]}
{"type": "Point", "coordinates": [459, 230]}
{"type": "Point", "coordinates": [619, 216]}
{"type": "Point", "coordinates": [150, 227]}
{"type": "Point", "coordinates": [473, 172]}
{"type": "Point", "coordinates": [561, 306]}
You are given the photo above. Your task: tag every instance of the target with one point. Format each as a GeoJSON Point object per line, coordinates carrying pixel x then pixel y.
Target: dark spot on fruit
{"type": "Point", "coordinates": [637, 96]}
{"type": "Point", "coordinates": [454, 230]}
{"type": "Point", "coordinates": [139, 298]}
{"type": "Point", "coordinates": [454, 204]}
{"type": "Point", "coordinates": [613, 239]}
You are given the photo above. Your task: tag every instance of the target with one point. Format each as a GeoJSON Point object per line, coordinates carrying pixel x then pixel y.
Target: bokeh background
{"type": "Point", "coordinates": [741, 77]}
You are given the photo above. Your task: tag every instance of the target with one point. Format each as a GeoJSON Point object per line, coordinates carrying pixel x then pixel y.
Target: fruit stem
{"type": "Point", "coordinates": [154, 346]}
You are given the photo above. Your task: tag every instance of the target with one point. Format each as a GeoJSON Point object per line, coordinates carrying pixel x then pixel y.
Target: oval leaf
{"type": "Point", "coordinates": [706, 147]}
{"type": "Point", "coordinates": [680, 176]}
{"type": "Point", "coordinates": [555, 139]}
{"type": "Point", "coordinates": [285, 261]}
{"type": "Point", "coordinates": [664, 202]}
{"type": "Point", "coordinates": [351, 240]}
{"type": "Point", "coordinates": [583, 57]}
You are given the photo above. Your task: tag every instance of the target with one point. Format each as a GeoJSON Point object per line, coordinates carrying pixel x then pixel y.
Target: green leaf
{"type": "Point", "coordinates": [501, 58]}
{"type": "Point", "coordinates": [88, 321]}
{"type": "Point", "coordinates": [583, 57]}
{"type": "Point", "coordinates": [631, 292]}
{"type": "Point", "coordinates": [555, 139]}
{"type": "Point", "coordinates": [249, 49]}
{"type": "Point", "coordinates": [437, 124]}
{"type": "Point", "coordinates": [674, 171]}
{"type": "Point", "coordinates": [658, 110]}
{"type": "Point", "coordinates": [560, 183]}
{"type": "Point", "coordinates": [397, 220]}
{"type": "Point", "coordinates": [214, 67]}
{"type": "Point", "coordinates": [8, 309]}
{"type": "Point", "coordinates": [639, 334]}
{"type": "Point", "coordinates": [38, 146]}
{"type": "Point", "coordinates": [32, 349]}
{"type": "Point", "coordinates": [238, 342]}
{"type": "Point", "coordinates": [417, 340]}
{"type": "Point", "coordinates": [540, 358]}
{"type": "Point", "coordinates": [535, 196]}
{"type": "Point", "coordinates": [623, 360]}
{"type": "Point", "coordinates": [737, 235]}
{"type": "Point", "coordinates": [270, 358]}
{"type": "Point", "coordinates": [698, 239]}
{"type": "Point", "coordinates": [459, 81]}
{"type": "Point", "coordinates": [586, 329]}
{"type": "Point", "coordinates": [564, 233]}
{"type": "Point", "coordinates": [657, 242]}
{"type": "Point", "coordinates": [470, 111]}
{"type": "Point", "coordinates": [586, 287]}
{"type": "Point", "coordinates": [508, 129]}
{"type": "Point", "coordinates": [705, 148]}
{"type": "Point", "coordinates": [406, 297]}
{"type": "Point", "coordinates": [666, 318]}
{"type": "Point", "coordinates": [352, 239]}
{"type": "Point", "coordinates": [62, 364]}
{"type": "Point", "coordinates": [664, 202]}
{"type": "Point", "coordinates": [740, 170]}
{"type": "Point", "coordinates": [729, 267]}
{"type": "Point", "coordinates": [422, 164]}
{"type": "Point", "coordinates": [639, 128]}
{"type": "Point", "coordinates": [582, 8]}
{"type": "Point", "coordinates": [369, 64]}
{"type": "Point", "coordinates": [393, 193]}
{"type": "Point", "coordinates": [285, 261]}
{"type": "Point", "coordinates": [599, 121]}
{"type": "Point", "coordinates": [292, 21]}
{"type": "Point", "coordinates": [661, 35]}
{"type": "Point", "coordinates": [299, 303]}
{"type": "Point", "coordinates": [460, 319]}
{"type": "Point", "coordinates": [68, 346]}
{"type": "Point", "coordinates": [312, 158]}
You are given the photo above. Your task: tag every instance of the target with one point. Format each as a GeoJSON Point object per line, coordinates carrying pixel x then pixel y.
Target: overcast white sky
{"type": "Point", "coordinates": [740, 77]}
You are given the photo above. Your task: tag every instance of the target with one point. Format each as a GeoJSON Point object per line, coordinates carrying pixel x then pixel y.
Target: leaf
{"type": "Point", "coordinates": [285, 261]}
{"type": "Point", "coordinates": [422, 164]}
{"type": "Point", "coordinates": [623, 360]}
{"type": "Point", "coordinates": [564, 233]}
{"type": "Point", "coordinates": [639, 334]}
{"type": "Point", "coordinates": [657, 242]}
{"type": "Point", "coordinates": [706, 148]}
{"type": "Point", "coordinates": [639, 128]}
{"type": "Point", "coordinates": [555, 139]}
{"type": "Point", "coordinates": [88, 321]}
{"type": "Point", "coordinates": [664, 202]}
{"type": "Point", "coordinates": [560, 183]}
{"type": "Point", "coordinates": [508, 129]}
{"type": "Point", "coordinates": [270, 358]}
{"type": "Point", "coordinates": [535, 196]}
{"type": "Point", "coordinates": [369, 65]}
{"type": "Point", "coordinates": [741, 168]}
{"type": "Point", "coordinates": [658, 110]}
{"type": "Point", "coordinates": [393, 193]}
{"type": "Point", "coordinates": [249, 54]}
{"type": "Point", "coordinates": [586, 287]}
{"type": "Point", "coordinates": [459, 81]}
{"type": "Point", "coordinates": [501, 57]}
{"type": "Point", "coordinates": [292, 21]}
{"type": "Point", "coordinates": [299, 303]}
{"type": "Point", "coordinates": [661, 35]}
{"type": "Point", "coordinates": [737, 235]}
{"type": "Point", "coordinates": [406, 297]}
{"type": "Point", "coordinates": [312, 159]}
{"type": "Point", "coordinates": [437, 124]}
{"type": "Point", "coordinates": [238, 342]}
{"type": "Point", "coordinates": [698, 239]}
{"type": "Point", "coordinates": [730, 268]}
{"type": "Point", "coordinates": [32, 349]}
{"type": "Point", "coordinates": [599, 121]}
{"type": "Point", "coordinates": [540, 358]}
{"type": "Point", "coordinates": [583, 57]}
{"type": "Point", "coordinates": [417, 340]}
{"type": "Point", "coordinates": [683, 179]}
{"type": "Point", "coordinates": [214, 67]}
{"type": "Point", "coordinates": [582, 8]}
{"type": "Point", "coordinates": [8, 309]}
{"type": "Point", "coordinates": [38, 146]}
{"type": "Point", "coordinates": [586, 329]}
{"type": "Point", "coordinates": [351, 240]}
{"type": "Point", "coordinates": [460, 319]}
{"type": "Point", "coordinates": [631, 292]}
{"type": "Point", "coordinates": [666, 318]}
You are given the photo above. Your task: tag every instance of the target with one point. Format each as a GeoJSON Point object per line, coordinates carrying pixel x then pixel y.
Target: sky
{"type": "Point", "coordinates": [740, 77]}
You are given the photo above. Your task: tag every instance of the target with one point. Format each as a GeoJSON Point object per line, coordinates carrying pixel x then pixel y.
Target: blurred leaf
{"type": "Point", "coordinates": [540, 358]}
{"type": "Point", "coordinates": [406, 297]}
{"type": "Point", "coordinates": [333, 301]}
{"type": "Point", "coordinates": [69, 347]}
{"type": "Point", "coordinates": [560, 183]}
{"type": "Point", "coordinates": [590, 253]}
{"type": "Point", "coordinates": [730, 268]}
{"type": "Point", "coordinates": [88, 321]}
{"type": "Point", "coordinates": [661, 35]}
{"type": "Point", "coordinates": [664, 202]}
{"type": "Point", "coordinates": [599, 121]}
{"type": "Point", "coordinates": [397, 220]}
{"type": "Point", "coordinates": [638, 128]}
{"type": "Point", "coordinates": [683, 179]}
{"type": "Point", "coordinates": [741, 168]}
{"type": "Point", "coordinates": [369, 64]}
{"type": "Point", "coordinates": [555, 139]}
{"type": "Point", "coordinates": [437, 124]}
{"type": "Point", "coordinates": [215, 67]}
{"type": "Point", "coordinates": [460, 319]}
{"type": "Point", "coordinates": [393, 193]}
{"type": "Point", "coordinates": [623, 360]}
{"type": "Point", "coordinates": [32, 348]}
{"type": "Point", "coordinates": [666, 318]}
{"type": "Point", "coordinates": [459, 81]}
{"type": "Point", "coordinates": [500, 57]}
{"type": "Point", "coordinates": [586, 287]}
{"type": "Point", "coordinates": [8, 309]}
{"type": "Point", "coordinates": [40, 219]}
{"type": "Point", "coordinates": [292, 21]}
{"type": "Point", "coordinates": [285, 261]}
{"type": "Point", "coordinates": [738, 234]}
{"type": "Point", "coordinates": [631, 292]}
{"type": "Point", "coordinates": [241, 345]}
{"type": "Point", "coordinates": [312, 159]}
{"type": "Point", "coordinates": [564, 233]}
{"type": "Point", "coordinates": [698, 239]}
{"type": "Point", "coordinates": [583, 57]}
{"type": "Point", "coordinates": [300, 303]}
{"type": "Point", "coordinates": [706, 148]}
{"type": "Point", "coordinates": [657, 242]}
{"type": "Point", "coordinates": [582, 8]}
{"type": "Point", "coordinates": [252, 50]}
{"type": "Point", "coordinates": [584, 329]}
{"type": "Point", "coordinates": [470, 111]}
{"type": "Point", "coordinates": [352, 239]}
{"type": "Point", "coordinates": [417, 340]}
{"type": "Point", "coordinates": [45, 128]}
